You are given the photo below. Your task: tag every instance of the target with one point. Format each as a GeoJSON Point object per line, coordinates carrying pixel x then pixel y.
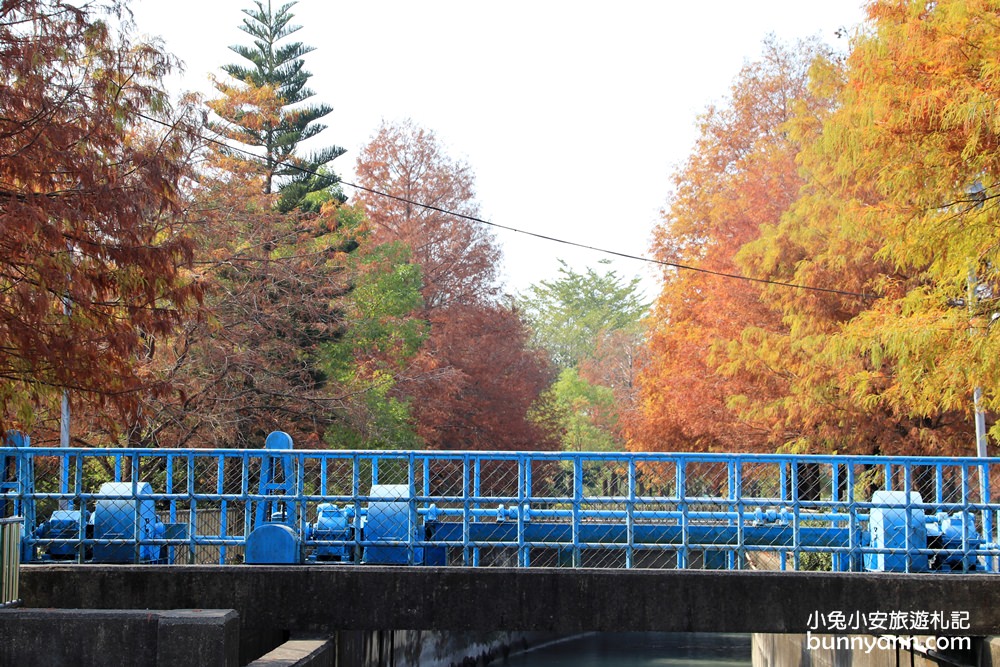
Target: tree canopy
{"type": "Point", "coordinates": [475, 378]}
{"type": "Point", "coordinates": [875, 179]}
{"type": "Point", "coordinates": [95, 250]}
{"type": "Point", "coordinates": [459, 259]}
{"type": "Point", "coordinates": [590, 323]}
{"type": "Point", "coordinates": [741, 177]}
{"type": "Point", "coordinates": [569, 315]}
{"type": "Point", "coordinates": [830, 283]}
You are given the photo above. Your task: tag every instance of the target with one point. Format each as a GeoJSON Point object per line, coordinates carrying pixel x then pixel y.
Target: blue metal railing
{"type": "Point", "coordinates": [521, 508]}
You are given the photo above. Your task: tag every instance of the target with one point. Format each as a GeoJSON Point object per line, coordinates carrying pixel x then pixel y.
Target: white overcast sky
{"type": "Point", "coordinates": [572, 114]}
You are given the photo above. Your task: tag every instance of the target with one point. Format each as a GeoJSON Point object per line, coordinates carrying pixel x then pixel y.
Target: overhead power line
{"type": "Point", "coordinates": [615, 253]}
{"type": "Point", "coordinates": [544, 237]}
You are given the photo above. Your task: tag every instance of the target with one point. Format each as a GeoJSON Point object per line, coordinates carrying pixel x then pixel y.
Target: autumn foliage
{"type": "Point", "coordinates": [475, 379]}
{"type": "Point", "coordinates": [830, 250]}
{"type": "Point", "coordinates": [92, 167]}
{"type": "Point", "coordinates": [861, 199]}
{"type": "Point", "coordinates": [459, 259]}
{"type": "Point", "coordinates": [741, 177]}
{"type": "Point", "coordinates": [272, 251]}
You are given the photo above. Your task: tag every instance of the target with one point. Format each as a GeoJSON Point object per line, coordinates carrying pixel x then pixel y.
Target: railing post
{"type": "Point", "coordinates": [987, 517]}
{"type": "Point", "coordinates": [412, 519]}
{"type": "Point", "coordinates": [193, 510]}
{"type": "Point", "coordinates": [477, 492]}
{"type": "Point", "coordinates": [796, 507]}
{"type": "Point", "coordinates": [736, 492]}
{"type": "Point", "coordinates": [523, 559]}
{"type": "Point", "coordinates": [577, 502]}
{"type": "Point", "coordinates": [836, 557]}
{"type": "Point", "coordinates": [10, 561]}
{"type": "Point", "coordinates": [853, 529]}
{"type": "Point", "coordinates": [681, 472]}
{"type": "Point", "coordinates": [908, 521]}
{"type": "Point", "coordinates": [136, 513]}
{"type": "Point", "coordinates": [220, 478]}
{"type": "Point", "coordinates": [468, 554]}
{"type": "Point", "coordinates": [630, 516]}
{"type": "Point", "coordinates": [966, 514]}
{"type": "Point", "coordinates": [355, 492]}
{"type": "Point", "coordinates": [785, 496]}
{"type": "Point", "coordinates": [73, 502]}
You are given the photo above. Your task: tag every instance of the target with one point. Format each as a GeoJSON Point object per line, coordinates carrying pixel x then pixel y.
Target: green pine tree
{"type": "Point", "coordinates": [265, 110]}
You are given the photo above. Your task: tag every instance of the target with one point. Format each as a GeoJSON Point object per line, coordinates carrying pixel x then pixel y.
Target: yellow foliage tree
{"type": "Point", "coordinates": [888, 209]}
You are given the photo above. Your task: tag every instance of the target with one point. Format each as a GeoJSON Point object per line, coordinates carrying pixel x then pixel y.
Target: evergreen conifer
{"type": "Point", "coordinates": [265, 109]}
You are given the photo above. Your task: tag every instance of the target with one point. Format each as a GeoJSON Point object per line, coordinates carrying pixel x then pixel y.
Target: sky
{"type": "Point", "coordinates": [572, 114]}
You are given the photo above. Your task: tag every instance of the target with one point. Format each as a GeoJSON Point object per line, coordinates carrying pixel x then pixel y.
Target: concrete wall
{"type": "Point", "coordinates": [989, 651]}
{"type": "Point", "coordinates": [113, 638]}
{"type": "Point", "coordinates": [565, 601]}
{"type": "Point", "coordinates": [273, 601]}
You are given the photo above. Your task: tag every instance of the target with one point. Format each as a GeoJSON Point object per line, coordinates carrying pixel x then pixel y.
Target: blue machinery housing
{"type": "Point", "coordinates": [516, 509]}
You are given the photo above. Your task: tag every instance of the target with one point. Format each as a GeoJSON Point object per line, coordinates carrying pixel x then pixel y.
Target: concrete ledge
{"type": "Point", "coordinates": [88, 637]}
{"type": "Point", "coordinates": [300, 653]}
{"type": "Point", "coordinates": [198, 637]}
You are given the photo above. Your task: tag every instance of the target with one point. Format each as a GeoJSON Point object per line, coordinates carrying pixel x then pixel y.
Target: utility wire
{"type": "Point", "coordinates": [615, 253]}
{"type": "Point", "coordinates": [471, 218]}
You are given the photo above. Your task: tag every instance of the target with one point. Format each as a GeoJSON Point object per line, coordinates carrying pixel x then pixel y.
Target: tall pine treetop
{"type": "Point", "coordinates": [281, 67]}
{"type": "Point", "coordinates": [260, 113]}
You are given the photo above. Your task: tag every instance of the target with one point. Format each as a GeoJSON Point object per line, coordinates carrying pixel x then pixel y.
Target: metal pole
{"type": "Point", "coordinates": [64, 443]}
{"type": "Point", "coordinates": [64, 413]}
{"type": "Point", "coordinates": [977, 392]}
{"type": "Point", "coordinates": [980, 419]}
{"type": "Point", "coordinates": [977, 395]}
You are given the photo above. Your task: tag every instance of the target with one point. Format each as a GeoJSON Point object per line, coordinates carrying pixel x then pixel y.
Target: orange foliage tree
{"type": "Point", "coordinates": [458, 259]}
{"type": "Point", "coordinates": [93, 244]}
{"type": "Point", "coordinates": [741, 176]}
{"type": "Point", "coordinates": [889, 211]}
{"type": "Point", "coordinates": [897, 206]}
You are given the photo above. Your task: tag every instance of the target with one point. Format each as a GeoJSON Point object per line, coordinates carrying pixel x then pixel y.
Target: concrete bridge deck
{"type": "Point", "coordinates": [333, 598]}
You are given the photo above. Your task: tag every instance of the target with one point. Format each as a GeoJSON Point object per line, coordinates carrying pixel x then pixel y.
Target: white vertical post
{"type": "Point", "coordinates": [977, 396]}
{"type": "Point", "coordinates": [980, 419]}
{"type": "Point", "coordinates": [977, 392]}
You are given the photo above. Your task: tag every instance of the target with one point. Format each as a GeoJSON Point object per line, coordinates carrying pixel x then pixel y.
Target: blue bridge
{"type": "Point", "coordinates": [338, 542]}
{"type": "Point", "coordinates": [280, 505]}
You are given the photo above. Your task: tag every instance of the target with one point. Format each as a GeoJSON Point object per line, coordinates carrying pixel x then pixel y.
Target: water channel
{"type": "Point", "coordinates": [638, 649]}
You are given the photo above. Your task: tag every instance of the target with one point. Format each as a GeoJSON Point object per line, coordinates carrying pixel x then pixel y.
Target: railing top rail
{"type": "Point", "coordinates": [459, 455]}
